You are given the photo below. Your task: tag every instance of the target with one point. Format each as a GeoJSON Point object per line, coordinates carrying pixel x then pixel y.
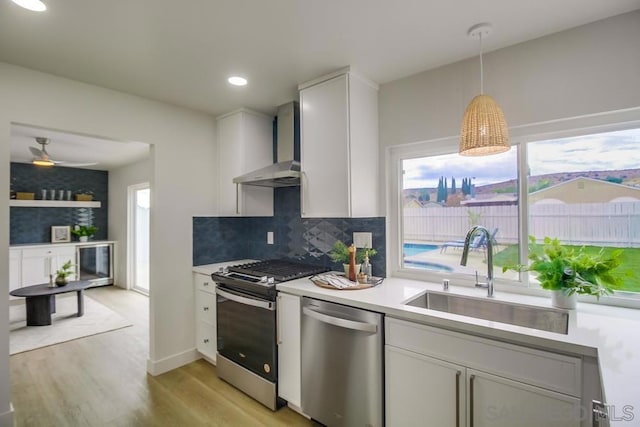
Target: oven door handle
{"type": "Point", "coordinates": [267, 305]}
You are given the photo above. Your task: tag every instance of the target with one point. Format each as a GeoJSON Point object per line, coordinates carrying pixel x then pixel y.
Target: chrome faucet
{"type": "Point", "coordinates": [465, 255]}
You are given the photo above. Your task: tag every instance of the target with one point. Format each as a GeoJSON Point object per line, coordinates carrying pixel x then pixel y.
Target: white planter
{"type": "Point", "coordinates": [560, 299]}
{"type": "Point", "coordinates": [346, 269]}
{"type": "Point", "coordinates": [84, 238]}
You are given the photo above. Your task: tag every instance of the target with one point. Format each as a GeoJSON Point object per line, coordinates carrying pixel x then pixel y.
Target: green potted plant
{"type": "Point", "coordinates": [83, 232]}
{"type": "Point", "coordinates": [340, 253]}
{"type": "Point", "coordinates": [62, 275]}
{"type": "Point", "coordinates": [568, 271]}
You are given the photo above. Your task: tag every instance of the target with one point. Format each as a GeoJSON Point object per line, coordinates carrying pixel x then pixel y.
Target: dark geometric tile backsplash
{"type": "Point", "coordinates": [309, 240]}
{"type": "Point", "coordinates": [33, 225]}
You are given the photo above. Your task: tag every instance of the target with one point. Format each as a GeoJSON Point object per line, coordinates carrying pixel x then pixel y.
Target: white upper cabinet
{"type": "Point", "coordinates": [339, 146]}
{"type": "Point", "coordinates": [245, 143]}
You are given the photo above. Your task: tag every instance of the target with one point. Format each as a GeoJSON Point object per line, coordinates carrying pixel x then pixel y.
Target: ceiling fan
{"type": "Point", "coordinates": [42, 158]}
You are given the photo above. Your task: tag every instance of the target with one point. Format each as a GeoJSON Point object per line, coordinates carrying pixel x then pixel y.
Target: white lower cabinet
{"type": "Point", "coordinates": [205, 297]}
{"type": "Point", "coordinates": [289, 365]}
{"type": "Point", "coordinates": [444, 378]}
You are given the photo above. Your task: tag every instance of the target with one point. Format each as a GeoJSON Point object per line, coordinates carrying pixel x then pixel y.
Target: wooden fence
{"type": "Point", "coordinates": [606, 224]}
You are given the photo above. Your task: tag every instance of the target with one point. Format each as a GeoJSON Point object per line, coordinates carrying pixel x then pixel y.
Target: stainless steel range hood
{"type": "Point", "coordinates": [286, 172]}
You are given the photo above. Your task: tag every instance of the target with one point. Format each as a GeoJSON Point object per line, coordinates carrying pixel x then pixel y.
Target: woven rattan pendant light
{"type": "Point", "coordinates": [484, 130]}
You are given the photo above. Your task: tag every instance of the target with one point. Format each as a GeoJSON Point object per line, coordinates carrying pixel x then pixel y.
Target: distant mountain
{"type": "Point", "coordinates": [630, 177]}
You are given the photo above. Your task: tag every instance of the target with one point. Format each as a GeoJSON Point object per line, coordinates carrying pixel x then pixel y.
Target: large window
{"type": "Point", "coordinates": [582, 190]}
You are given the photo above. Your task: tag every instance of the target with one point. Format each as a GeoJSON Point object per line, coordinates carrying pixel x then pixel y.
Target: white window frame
{"type": "Point", "coordinates": [520, 135]}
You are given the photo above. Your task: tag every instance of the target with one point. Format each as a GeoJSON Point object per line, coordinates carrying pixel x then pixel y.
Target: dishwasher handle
{"type": "Point", "coordinates": [340, 322]}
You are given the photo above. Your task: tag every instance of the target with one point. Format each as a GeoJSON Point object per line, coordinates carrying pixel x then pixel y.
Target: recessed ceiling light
{"type": "Point", "coordinates": [34, 5]}
{"type": "Point", "coordinates": [237, 80]}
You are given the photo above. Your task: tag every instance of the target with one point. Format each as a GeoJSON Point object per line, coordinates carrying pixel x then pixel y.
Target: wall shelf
{"type": "Point", "coordinates": [52, 204]}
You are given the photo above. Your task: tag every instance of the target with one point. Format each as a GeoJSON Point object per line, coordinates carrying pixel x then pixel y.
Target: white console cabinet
{"type": "Point", "coordinates": [339, 146]}
{"type": "Point", "coordinates": [38, 263]}
{"type": "Point", "coordinates": [444, 378]}
{"type": "Point", "coordinates": [205, 297]}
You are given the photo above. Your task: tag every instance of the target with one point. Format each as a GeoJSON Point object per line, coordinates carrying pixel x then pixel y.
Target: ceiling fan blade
{"type": "Point", "coordinates": [73, 165]}
{"type": "Point", "coordinates": [36, 151]}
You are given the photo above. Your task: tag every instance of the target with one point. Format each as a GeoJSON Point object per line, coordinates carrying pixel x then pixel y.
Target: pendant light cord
{"type": "Point", "coordinates": [481, 68]}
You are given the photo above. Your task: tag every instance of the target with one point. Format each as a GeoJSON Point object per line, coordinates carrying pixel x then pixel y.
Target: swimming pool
{"type": "Point", "coordinates": [417, 248]}
{"type": "Point", "coordinates": [411, 249]}
{"type": "Point", "coordinates": [425, 265]}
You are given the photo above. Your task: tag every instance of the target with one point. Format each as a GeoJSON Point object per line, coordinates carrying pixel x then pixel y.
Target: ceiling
{"type": "Point", "coordinates": [181, 52]}
{"type": "Point", "coordinates": [72, 148]}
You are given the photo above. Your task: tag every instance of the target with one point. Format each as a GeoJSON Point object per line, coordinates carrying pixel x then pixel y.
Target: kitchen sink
{"type": "Point", "coordinates": [542, 318]}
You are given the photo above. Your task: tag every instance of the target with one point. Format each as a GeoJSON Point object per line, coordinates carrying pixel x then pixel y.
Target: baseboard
{"type": "Point", "coordinates": [157, 367]}
{"type": "Point", "coordinates": [6, 419]}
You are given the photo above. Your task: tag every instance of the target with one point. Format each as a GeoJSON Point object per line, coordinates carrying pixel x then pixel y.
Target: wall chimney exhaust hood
{"type": "Point", "coordinates": [286, 172]}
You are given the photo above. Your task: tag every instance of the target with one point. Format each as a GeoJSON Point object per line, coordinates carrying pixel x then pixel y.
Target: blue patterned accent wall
{"type": "Point", "coordinates": [33, 225]}
{"type": "Point", "coordinates": [217, 239]}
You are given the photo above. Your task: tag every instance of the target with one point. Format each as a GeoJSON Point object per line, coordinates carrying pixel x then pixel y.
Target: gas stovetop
{"type": "Point", "coordinates": [259, 278]}
{"type": "Point", "coordinates": [279, 270]}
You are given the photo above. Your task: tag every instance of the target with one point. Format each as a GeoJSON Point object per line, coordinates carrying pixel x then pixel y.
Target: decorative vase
{"type": "Point", "coordinates": [84, 238]}
{"type": "Point", "coordinates": [561, 299]}
{"type": "Point", "coordinates": [346, 269]}
{"type": "Point", "coordinates": [61, 280]}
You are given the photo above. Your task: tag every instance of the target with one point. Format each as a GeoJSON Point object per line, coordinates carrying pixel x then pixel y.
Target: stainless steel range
{"type": "Point", "coordinates": [246, 324]}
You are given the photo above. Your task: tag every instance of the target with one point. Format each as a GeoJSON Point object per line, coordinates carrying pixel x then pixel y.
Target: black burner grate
{"type": "Point", "coordinates": [280, 270]}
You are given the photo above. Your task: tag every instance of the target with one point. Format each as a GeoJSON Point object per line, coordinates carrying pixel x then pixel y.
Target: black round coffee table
{"type": "Point", "coordinates": [41, 300]}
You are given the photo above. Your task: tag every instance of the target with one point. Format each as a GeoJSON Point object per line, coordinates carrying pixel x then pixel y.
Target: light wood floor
{"type": "Point", "coordinates": [102, 381]}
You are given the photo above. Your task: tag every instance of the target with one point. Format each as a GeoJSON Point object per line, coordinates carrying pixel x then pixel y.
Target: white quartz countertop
{"type": "Point", "coordinates": [610, 333]}
{"type": "Point", "coordinates": [43, 245]}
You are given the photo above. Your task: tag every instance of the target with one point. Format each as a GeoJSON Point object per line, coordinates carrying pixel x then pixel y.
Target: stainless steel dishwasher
{"type": "Point", "coordinates": [342, 364]}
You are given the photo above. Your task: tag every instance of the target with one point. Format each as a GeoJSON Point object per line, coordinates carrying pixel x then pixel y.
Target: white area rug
{"type": "Point", "coordinates": [65, 325]}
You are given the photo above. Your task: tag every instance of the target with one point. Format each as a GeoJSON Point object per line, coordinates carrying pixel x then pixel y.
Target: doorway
{"type": "Point", "coordinates": [138, 230]}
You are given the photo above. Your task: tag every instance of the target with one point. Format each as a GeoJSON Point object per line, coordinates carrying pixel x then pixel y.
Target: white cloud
{"type": "Point", "coordinates": [607, 151]}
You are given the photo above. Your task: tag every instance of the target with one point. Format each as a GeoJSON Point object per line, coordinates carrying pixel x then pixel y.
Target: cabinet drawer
{"type": "Point", "coordinates": [541, 368]}
{"type": "Point", "coordinates": [206, 339]}
{"type": "Point", "coordinates": [204, 283]}
{"type": "Point", "coordinates": [49, 251]}
{"type": "Point", "coordinates": [206, 307]}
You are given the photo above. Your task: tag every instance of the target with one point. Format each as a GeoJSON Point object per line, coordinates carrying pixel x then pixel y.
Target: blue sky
{"type": "Point", "coordinates": [606, 151]}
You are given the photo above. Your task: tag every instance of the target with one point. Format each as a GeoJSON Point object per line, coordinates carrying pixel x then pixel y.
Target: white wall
{"type": "Point", "coordinates": [590, 69]}
{"type": "Point", "coordinates": [183, 182]}
{"type": "Point", "coordinates": [119, 181]}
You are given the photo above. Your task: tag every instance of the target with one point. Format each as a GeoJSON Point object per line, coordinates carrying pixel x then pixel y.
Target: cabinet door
{"type": "Point", "coordinates": [422, 391]}
{"type": "Point", "coordinates": [289, 371]}
{"type": "Point", "coordinates": [63, 255]}
{"type": "Point", "coordinates": [15, 270]}
{"type": "Point", "coordinates": [37, 264]}
{"type": "Point", "coordinates": [244, 145]}
{"type": "Point", "coordinates": [324, 149]}
{"type": "Point", "coordinates": [500, 402]}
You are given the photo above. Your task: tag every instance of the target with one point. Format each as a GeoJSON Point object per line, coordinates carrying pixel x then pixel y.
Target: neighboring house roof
{"type": "Point", "coordinates": [498, 200]}
{"type": "Point", "coordinates": [585, 190]}
{"type": "Point", "coordinates": [413, 203]}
